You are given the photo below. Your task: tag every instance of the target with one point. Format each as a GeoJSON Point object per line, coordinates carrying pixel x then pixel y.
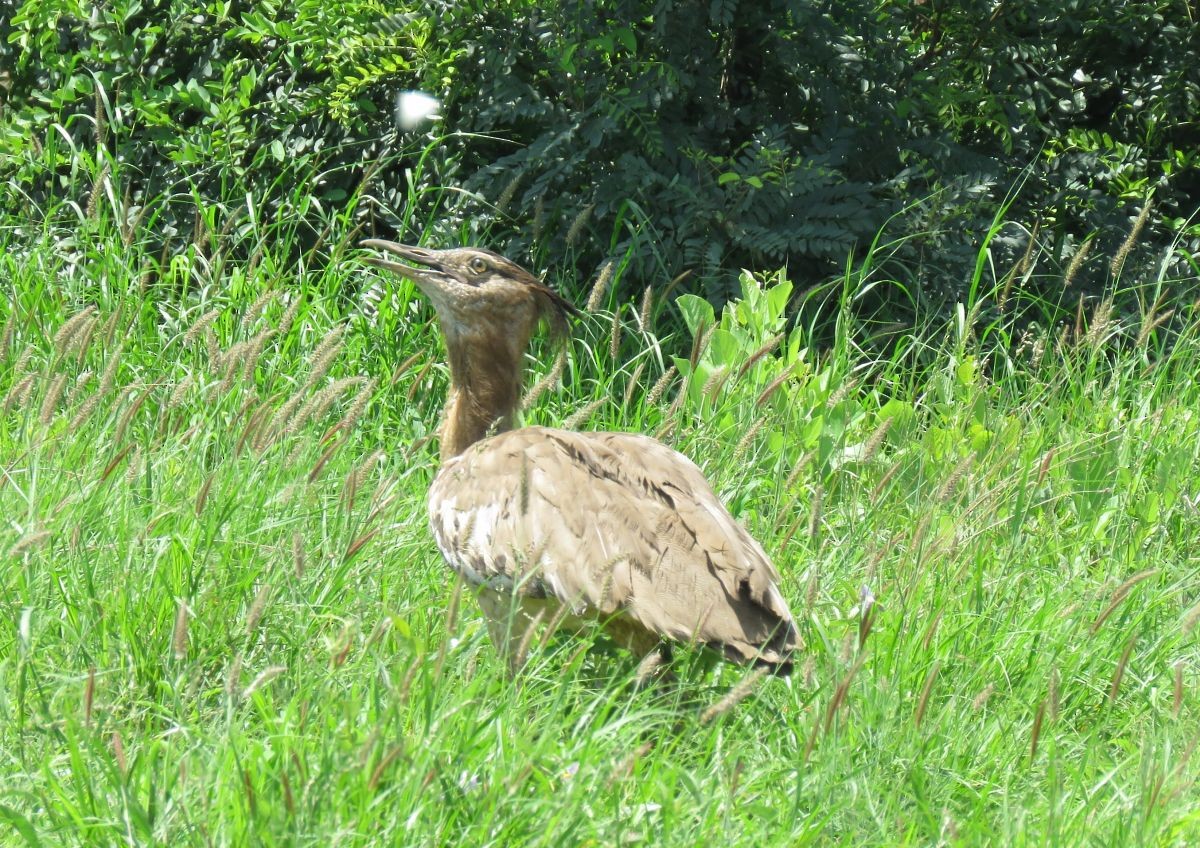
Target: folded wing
{"type": "Point", "coordinates": [614, 525]}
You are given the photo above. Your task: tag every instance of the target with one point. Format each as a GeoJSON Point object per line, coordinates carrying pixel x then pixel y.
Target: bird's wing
{"type": "Point", "coordinates": [611, 524]}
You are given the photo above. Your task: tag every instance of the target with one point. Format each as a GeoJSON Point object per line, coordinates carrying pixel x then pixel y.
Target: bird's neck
{"type": "Point", "coordinates": [485, 394]}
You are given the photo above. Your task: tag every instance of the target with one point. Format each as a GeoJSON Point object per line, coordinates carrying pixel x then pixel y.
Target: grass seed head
{"type": "Point", "coordinates": [614, 338]}
{"type": "Point", "coordinates": [1118, 260]}
{"type": "Point", "coordinates": [600, 287]}
{"type": "Point", "coordinates": [1076, 263]}
{"type": "Point", "coordinates": [72, 330]}
{"type": "Point", "coordinates": [50, 401]}
{"type": "Point", "coordinates": [660, 386]}
{"type": "Point", "coordinates": [578, 225]}
{"type": "Point", "coordinates": [179, 637]}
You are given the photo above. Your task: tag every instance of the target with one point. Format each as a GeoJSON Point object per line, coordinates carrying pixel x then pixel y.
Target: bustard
{"type": "Point", "coordinates": [615, 527]}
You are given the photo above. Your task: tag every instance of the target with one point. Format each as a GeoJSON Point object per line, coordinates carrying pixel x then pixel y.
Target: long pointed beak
{"type": "Point", "coordinates": [427, 269]}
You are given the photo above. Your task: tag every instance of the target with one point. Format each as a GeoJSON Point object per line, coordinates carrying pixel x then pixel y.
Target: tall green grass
{"type": "Point", "coordinates": [224, 621]}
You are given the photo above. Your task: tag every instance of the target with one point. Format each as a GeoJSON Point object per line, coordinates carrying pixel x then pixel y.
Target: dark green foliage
{"type": "Point", "coordinates": [184, 105]}
{"type": "Point", "coordinates": [713, 135]}
{"type": "Point", "coordinates": [672, 136]}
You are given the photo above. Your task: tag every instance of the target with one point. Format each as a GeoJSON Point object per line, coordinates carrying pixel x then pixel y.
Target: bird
{"type": "Point", "coordinates": [562, 527]}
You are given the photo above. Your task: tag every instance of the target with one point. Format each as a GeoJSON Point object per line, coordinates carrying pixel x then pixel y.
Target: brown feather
{"type": "Point", "coordinates": [554, 525]}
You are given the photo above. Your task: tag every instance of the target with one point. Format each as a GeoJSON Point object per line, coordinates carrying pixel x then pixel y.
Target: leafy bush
{"type": "Point", "coordinates": [182, 105]}
{"type": "Point", "coordinates": [712, 136]}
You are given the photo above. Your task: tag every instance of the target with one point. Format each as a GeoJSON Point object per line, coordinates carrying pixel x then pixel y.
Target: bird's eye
{"type": "Point", "coordinates": [478, 265]}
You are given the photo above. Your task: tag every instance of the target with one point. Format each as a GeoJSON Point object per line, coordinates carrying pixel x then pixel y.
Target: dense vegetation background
{"type": "Point", "coordinates": [678, 136]}
{"type": "Point", "coordinates": [955, 397]}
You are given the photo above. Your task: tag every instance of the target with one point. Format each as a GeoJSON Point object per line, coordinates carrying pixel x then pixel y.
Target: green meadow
{"type": "Point", "coordinates": [223, 620]}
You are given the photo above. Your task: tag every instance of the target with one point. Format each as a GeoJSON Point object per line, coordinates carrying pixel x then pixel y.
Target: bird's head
{"type": "Point", "coordinates": [475, 291]}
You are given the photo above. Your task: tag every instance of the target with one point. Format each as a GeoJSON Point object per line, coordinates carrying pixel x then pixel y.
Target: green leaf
{"type": "Point", "coordinates": [696, 311]}
{"type": "Point", "coordinates": [728, 177]}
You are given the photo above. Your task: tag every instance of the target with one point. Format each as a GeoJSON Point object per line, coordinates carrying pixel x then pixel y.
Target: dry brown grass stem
{"type": "Point", "coordinates": [926, 690]}
{"type": "Point", "coordinates": [577, 226]}
{"type": "Point", "coordinates": [791, 531]}
{"type": "Point", "coordinates": [1119, 595]}
{"type": "Point", "coordinates": [229, 365]}
{"type": "Point", "coordinates": [110, 326]}
{"type": "Point", "coordinates": [648, 666]}
{"type": "Point", "coordinates": [50, 401]}
{"type": "Point", "coordinates": [179, 637]}
{"type": "Point", "coordinates": [1118, 260]}
{"type": "Point", "coordinates": [633, 383]}
{"type": "Point", "coordinates": [1035, 733]}
{"type": "Point", "coordinates": [773, 386]}
{"type": "Point", "coordinates": [660, 387]}
{"type": "Point", "coordinates": [202, 495]}
{"type": "Point", "coordinates": [403, 367]}
{"type": "Point", "coordinates": [1076, 262]}
{"type": "Point", "coordinates": [734, 697]}
{"type": "Point", "coordinates": [1119, 674]}
{"type": "Point", "coordinates": [1044, 468]}
{"type": "Point", "coordinates": [600, 287]}
{"type": "Point", "coordinates": [257, 607]}
{"type": "Point", "coordinates": [85, 409]}
{"type": "Point", "coordinates": [753, 359]}
{"type": "Point", "coordinates": [69, 333]}
{"type": "Point", "coordinates": [584, 413]}
{"type": "Point", "coordinates": [109, 376]}
{"type": "Point", "coordinates": [98, 189]}
{"type": "Point", "coordinates": [881, 487]}
{"type": "Point", "coordinates": [931, 631]}
{"type": "Point", "coordinates": [527, 639]}
{"type": "Point", "coordinates": [614, 335]}
{"type": "Point", "coordinates": [418, 381]}
{"type": "Point", "coordinates": [6, 337]}
{"type": "Point", "coordinates": [212, 349]}
{"type": "Point", "coordinates": [840, 694]}
{"type": "Point", "coordinates": [319, 467]}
